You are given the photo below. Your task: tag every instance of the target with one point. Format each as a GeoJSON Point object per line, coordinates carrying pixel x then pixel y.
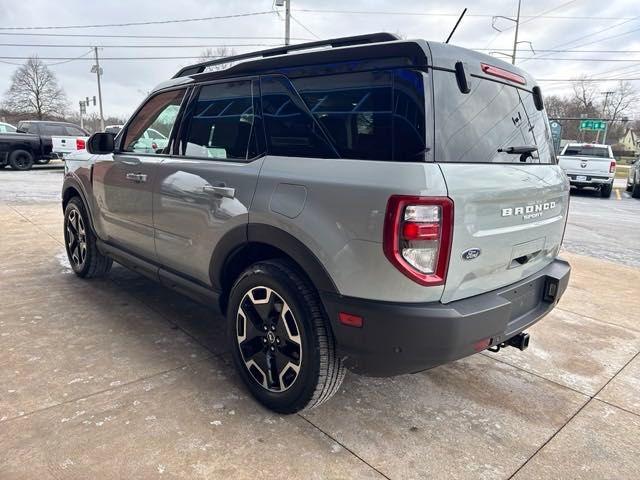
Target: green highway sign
{"type": "Point", "coordinates": [593, 125]}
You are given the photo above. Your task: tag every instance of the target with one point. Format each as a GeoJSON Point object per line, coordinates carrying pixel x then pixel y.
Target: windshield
{"type": "Point", "coordinates": [481, 126]}
{"type": "Point", "coordinates": [586, 151]}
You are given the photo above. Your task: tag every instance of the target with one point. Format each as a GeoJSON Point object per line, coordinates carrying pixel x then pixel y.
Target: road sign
{"type": "Point", "coordinates": [556, 134]}
{"type": "Point", "coordinates": [593, 125]}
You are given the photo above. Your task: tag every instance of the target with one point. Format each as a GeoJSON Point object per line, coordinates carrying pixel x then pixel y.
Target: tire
{"type": "Point", "coordinates": [269, 303]}
{"type": "Point", "coordinates": [21, 160]}
{"type": "Point", "coordinates": [605, 190]}
{"type": "Point", "coordinates": [629, 187]}
{"type": "Point", "coordinates": [80, 243]}
{"type": "Point", "coordinates": [635, 190]}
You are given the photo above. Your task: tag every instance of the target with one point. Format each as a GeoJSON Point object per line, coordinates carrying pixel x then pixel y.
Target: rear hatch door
{"type": "Point", "coordinates": [509, 209]}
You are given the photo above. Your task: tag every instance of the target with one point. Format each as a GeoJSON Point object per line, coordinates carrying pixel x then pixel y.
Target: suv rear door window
{"type": "Point", "coordinates": [150, 129]}
{"type": "Point", "coordinates": [223, 123]}
{"type": "Point", "coordinates": [472, 127]}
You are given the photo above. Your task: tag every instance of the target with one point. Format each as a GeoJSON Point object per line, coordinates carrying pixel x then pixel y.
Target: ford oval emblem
{"type": "Point", "coordinates": [471, 253]}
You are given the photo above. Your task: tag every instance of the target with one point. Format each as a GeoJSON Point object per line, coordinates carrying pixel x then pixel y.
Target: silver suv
{"type": "Point", "coordinates": [366, 203]}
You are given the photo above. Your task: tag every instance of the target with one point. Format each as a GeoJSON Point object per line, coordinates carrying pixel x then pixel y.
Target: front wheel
{"type": "Point", "coordinates": [21, 160]}
{"type": "Point", "coordinates": [80, 242]}
{"type": "Point", "coordinates": [281, 341]}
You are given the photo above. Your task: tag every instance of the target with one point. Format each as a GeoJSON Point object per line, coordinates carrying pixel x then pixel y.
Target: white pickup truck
{"type": "Point", "coordinates": [589, 165]}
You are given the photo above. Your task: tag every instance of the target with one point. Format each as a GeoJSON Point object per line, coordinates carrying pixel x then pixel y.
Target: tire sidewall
{"type": "Point", "coordinates": [76, 203]}
{"type": "Point", "coordinates": [17, 153]}
{"type": "Point", "coordinates": [298, 395]}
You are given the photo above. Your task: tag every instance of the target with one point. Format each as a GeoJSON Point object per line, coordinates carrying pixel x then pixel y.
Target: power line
{"type": "Point", "coordinates": [555, 51]}
{"type": "Point", "coordinates": [53, 45]}
{"type": "Point", "coordinates": [303, 26]}
{"type": "Point", "coordinates": [586, 79]}
{"type": "Point", "coordinates": [446, 14]}
{"type": "Point", "coordinates": [592, 34]}
{"type": "Point", "coordinates": [110, 58]}
{"type": "Point", "coordinates": [154, 22]}
{"type": "Point", "coordinates": [179, 37]}
{"type": "Point", "coordinates": [562, 59]}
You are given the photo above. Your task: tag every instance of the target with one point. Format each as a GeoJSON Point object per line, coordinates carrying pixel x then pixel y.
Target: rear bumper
{"type": "Point", "coordinates": [399, 338]}
{"type": "Point", "coordinates": [590, 180]}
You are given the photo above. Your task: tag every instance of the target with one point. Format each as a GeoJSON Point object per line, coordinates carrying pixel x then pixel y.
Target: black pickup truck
{"type": "Point", "coordinates": [21, 150]}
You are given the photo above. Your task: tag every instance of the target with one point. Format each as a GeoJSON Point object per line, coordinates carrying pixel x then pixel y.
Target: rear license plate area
{"type": "Point", "coordinates": [581, 178]}
{"type": "Point", "coordinates": [525, 297]}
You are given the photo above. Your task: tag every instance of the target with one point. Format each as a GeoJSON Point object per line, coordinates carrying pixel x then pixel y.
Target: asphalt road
{"type": "Point", "coordinates": [605, 228]}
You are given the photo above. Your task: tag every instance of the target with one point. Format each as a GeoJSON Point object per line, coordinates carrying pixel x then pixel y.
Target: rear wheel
{"type": "Point", "coordinates": [605, 190]}
{"type": "Point", "coordinates": [80, 242]}
{"type": "Point", "coordinates": [635, 191]}
{"type": "Point", "coordinates": [282, 345]}
{"type": "Point", "coordinates": [21, 160]}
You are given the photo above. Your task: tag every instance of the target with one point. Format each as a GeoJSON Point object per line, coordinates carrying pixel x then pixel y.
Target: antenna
{"type": "Point", "coordinates": [456, 25]}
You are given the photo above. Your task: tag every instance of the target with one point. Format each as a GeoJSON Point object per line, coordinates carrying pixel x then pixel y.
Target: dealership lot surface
{"type": "Point", "coordinates": [120, 378]}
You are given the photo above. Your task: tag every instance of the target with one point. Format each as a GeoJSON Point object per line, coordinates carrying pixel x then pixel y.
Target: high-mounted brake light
{"type": "Point", "coordinates": [612, 167]}
{"type": "Point", "coordinates": [80, 144]}
{"type": "Point", "coordinates": [417, 237]}
{"type": "Point", "coordinates": [502, 73]}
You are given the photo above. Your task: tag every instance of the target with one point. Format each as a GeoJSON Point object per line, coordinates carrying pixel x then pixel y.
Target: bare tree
{"type": "Point", "coordinates": [621, 101]}
{"type": "Point", "coordinates": [35, 91]}
{"type": "Point", "coordinates": [585, 93]}
{"type": "Point", "coordinates": [214, 54]}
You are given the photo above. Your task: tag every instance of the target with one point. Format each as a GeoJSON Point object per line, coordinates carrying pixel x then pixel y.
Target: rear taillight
{"type": "Point", "coordinates": [612, 167]}
{"type": "Point", "coordinates": [417, 237]}
{"type": "Point", "coordinates": [80, 144]}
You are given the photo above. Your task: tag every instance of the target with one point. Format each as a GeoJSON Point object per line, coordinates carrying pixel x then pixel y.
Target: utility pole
{"type": "Point", "coordinates": [98, 71]}
{"type": "Point", "coordinates": [604, 113]}
{"type": "Point", "coordinates": [516, 42]}
{"type": "Point", "coordinates": [287, 22]}
{"type": "Point", "coordinates": [515, 38]}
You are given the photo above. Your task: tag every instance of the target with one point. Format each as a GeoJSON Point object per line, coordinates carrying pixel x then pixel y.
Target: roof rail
{"type": "Point", "coordinates": [333, 42]}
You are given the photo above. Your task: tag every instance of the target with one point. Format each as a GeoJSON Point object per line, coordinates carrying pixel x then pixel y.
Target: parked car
{"type": "Point", "coordinates": [65, 137]}
{"type": "Point", "coordinates": [383, 206]}
{"type": "Point", "coordinates": [7, 128]}
{"type": "Point", "coordinates": [113, 129]}
{"type": "Point", "coordinates": [633, 179]}
{"type": "Point", "coordinates": [589, 165]}
{"type": "Point", "coordinates": [22, 150]}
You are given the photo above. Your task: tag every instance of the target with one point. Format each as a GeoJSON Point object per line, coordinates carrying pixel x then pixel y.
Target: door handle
{"type": "Point", "coordinates": [137, 177]}
{"type": "Point", "coordinates": [227, 192]}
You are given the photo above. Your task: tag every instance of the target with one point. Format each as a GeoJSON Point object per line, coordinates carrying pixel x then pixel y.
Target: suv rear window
{"type": "Point", "coordinates": [586, 151]}
{"type": "Point", "coordinates": [471, 128]}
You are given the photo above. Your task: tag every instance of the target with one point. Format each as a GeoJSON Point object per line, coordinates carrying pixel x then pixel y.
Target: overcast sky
{"type": "Point", "coordinates": [576, 25]}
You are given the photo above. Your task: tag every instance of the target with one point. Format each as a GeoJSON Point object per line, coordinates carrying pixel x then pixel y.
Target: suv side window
{"type": "Point", "coordinates": [354, 109]}
{"type": "Point", "coordinates": [291, 130]}
{"type": "Point", "coordinates": [150, 129]}
{"type": "Point", "coordinates": [223, 123]}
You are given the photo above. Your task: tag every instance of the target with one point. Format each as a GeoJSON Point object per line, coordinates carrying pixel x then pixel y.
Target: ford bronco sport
{"type": "Point", "coordinates": [362, 203]}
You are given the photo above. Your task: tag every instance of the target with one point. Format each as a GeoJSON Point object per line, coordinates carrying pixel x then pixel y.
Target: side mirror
{"type": "Point", "coordinates": [100, 144]}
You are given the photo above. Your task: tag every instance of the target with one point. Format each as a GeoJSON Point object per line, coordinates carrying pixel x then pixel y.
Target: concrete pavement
{"type": "Point", "coordinates": [121, 378]}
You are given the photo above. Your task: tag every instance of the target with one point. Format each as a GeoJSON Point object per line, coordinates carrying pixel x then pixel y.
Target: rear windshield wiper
{"type": "Point", "coordinates": [525, 151]}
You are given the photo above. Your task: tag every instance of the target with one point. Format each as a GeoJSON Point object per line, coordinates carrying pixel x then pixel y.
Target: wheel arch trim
{"type": "Point", "coordinates": [257, 233]}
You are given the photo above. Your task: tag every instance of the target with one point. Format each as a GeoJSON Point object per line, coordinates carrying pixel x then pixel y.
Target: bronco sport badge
{"type": "Point", "coordinates": [530, 211]}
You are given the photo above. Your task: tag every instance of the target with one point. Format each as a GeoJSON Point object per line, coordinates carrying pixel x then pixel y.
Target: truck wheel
{"type": "Point", "coordinates": [281, 342]}
{"type": "Point", "coordinates": [605, 190]}
{"type": "Point", "coordinates": [21, 160]}
{"type": "Point", "coordinates": [80, 243]}
{"type": "Point", "coordinates": [635, 191]}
